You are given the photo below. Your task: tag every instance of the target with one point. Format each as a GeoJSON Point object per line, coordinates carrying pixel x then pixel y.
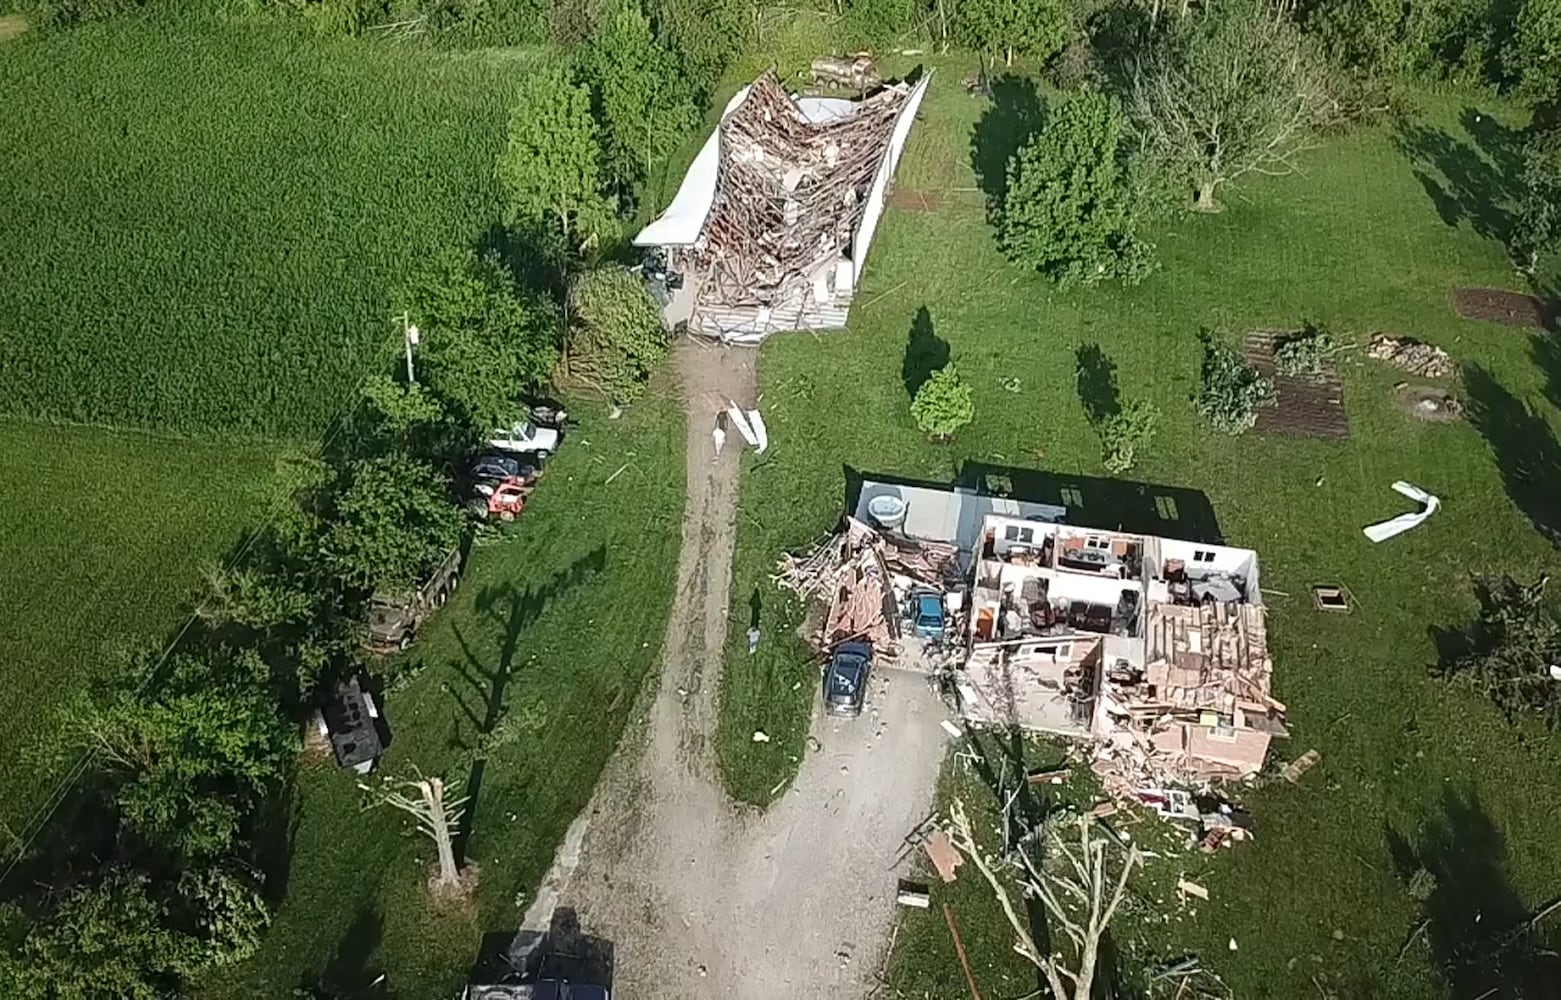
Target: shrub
{"type": "Point", "coordinates": [1305, 354]}
{"type": "Point", "coordinates": [1510, 650]}
{"type": "Point", "coordinates": [1065, 211]}
{"type": "Point", "coordinates": [943, 404]}
{"type": "Point", "coordinates": [1126, 432]}
{"type": "Point", "coordinates": [1230, 390]}
{"type": "Point", "coordinates": [618, 337]}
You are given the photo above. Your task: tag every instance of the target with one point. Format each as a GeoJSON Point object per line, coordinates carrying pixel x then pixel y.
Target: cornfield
{"type": "Point", "coordinates": [202, 223]}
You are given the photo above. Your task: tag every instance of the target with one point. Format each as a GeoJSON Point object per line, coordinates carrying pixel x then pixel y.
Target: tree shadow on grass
{"type": "Point", "coordinates": [1007, 124]}
{"type": "Point", "coordinates": [925, 353]}
{"type": "Point", "coordinates": [1096, 375]}
{"type": "Point", "coordinates": [1481, 936]}
{"type": "Point", "coordinates": [352, 972]}
{"type": "Point", "coordinates": [514, 610]}
{"type": "Point", "coordinates": [1524, 447]}
{"type": "Point", "coordinates": [1474, 183]}
{"type": "Point", "coordinates": [1545, 349]}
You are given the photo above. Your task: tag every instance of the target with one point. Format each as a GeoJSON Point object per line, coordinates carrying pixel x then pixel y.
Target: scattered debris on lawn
{"type": "Point", "coordinates": [1187, 888]}
{"type": "Point", "coordinates": [1413, 356]}
{"type": "Point", "coordinates": [1296, 768]}
{"type": "Point", "coordinates": [1428, 403]}
{"type": "Point", "coordinates": [760, 736]}
{"type": "Point", "coordinates": [1330, 598]}
{"type": "Point", "coordinates": [945, 857]}
{"type": "Point", "coordinates": [1497, 305]}
{"type": "Point", "coordinates": [1429, 504]}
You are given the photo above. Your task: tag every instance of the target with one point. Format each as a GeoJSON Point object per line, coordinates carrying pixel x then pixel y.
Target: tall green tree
{"type": "Point", "coordinates": [392, 523]}
{"type": "Point", "coordinates": [1232, 88]}
{"type": "Point", "coordinates": [190, 743]}
{"type": "Point", "coordinates": [551, 168]}
{"type": "Point", "coordinates": [1536, 234]}
{"type": "Point", "coordinates": [1533, 58]}
{"type": "Point", "coordinates": [1066, 211]}
{"type": "Point", "coordinates": [1034, 28]}
{"type": "Point", "coordinates": [483, 343]}
{"type": "Point", "coordinates": [704, 36]}
{"type": "Point", "coordinates": [123, 935]}
{"type": "Point", "coordinates": [642, 102]}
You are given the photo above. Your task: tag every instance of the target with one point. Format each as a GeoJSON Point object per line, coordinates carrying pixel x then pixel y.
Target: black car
{"type": "Point", "coordinates": [496, 467]}
{"type": "Point", "coordinates": [845, 680]}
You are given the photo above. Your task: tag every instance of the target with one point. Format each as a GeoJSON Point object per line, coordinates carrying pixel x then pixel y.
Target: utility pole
{"type": "Point", "coordinates": [409, 334]}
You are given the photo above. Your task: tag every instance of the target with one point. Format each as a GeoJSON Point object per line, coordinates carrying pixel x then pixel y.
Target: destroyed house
{"type": "Point", "coordinates": [771, 226]}
{"type": "Point", "coordinates": [1155, 648]}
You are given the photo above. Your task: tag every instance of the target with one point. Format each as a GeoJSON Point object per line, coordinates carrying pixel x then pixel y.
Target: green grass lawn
{"type": "Point", "coordinates": [1354, 242]}
{"type": "Point", "coordinates": [559, 623]}
{"type": "Point", "coordinates": [205, 221]}
{"type": "Point", "coordinates": [102, 543]}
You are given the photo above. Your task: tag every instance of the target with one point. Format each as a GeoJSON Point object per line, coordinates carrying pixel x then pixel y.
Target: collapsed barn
{"type": "Point", "coordinates": [772, 224]}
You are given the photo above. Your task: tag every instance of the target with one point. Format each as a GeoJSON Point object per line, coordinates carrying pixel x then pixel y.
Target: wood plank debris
{"type": "Point", "coordinates": [1296, 768]}
{"type": "Point", "coordinates": [1187, 888]}
{"type": "Point", "coordinates": [945, 857]}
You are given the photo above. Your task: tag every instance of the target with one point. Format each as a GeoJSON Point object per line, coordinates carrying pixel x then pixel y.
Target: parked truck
{"type": "Point", "coordinates": [855, 72]}
{"type": "Point", "coordinates": [393, 619]}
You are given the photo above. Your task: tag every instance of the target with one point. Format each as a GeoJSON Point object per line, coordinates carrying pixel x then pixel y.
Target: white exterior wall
{"type": "Point", "coordinates": [863, 240]}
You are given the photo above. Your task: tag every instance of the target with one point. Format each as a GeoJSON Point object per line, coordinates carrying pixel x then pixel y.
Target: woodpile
{"type": "Point", "coordinates": [1425, 360]}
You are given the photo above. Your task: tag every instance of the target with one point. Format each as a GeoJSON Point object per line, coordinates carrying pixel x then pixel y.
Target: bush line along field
{"type": "Point", "coordinates": [213, 216]}
{"type": "Point", "coordinates": [1354, 243]}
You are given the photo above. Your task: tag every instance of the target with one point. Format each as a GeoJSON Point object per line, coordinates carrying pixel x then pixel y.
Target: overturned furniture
{"type": "Point", "coordinates": [772, 224]}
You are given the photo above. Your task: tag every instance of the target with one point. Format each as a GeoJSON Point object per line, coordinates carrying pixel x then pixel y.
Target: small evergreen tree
{"type": "Point", "coordinates": [1065, 212]}
{"type": "Point", "coordinates": [1514, 651]}
{"type": "Point", "coordinates": [943, 404]}
{"type": "Point", "coordinates": [1126, 432]}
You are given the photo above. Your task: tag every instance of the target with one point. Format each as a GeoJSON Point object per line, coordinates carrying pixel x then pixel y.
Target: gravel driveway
{"type": "Point", "coordinates": [698, 897]}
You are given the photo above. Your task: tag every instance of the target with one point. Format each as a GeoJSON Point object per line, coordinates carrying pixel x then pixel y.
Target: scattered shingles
{"type": "Point", "coordinates": [1307, 405]}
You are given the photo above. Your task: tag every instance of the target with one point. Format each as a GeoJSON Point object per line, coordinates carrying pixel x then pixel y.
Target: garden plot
{"type": "Point", "coordinates": [1307, 405]}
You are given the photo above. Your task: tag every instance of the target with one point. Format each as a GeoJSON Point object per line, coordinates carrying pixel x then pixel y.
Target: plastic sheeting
{"type": "Point", "coordinates": [1384, 530]}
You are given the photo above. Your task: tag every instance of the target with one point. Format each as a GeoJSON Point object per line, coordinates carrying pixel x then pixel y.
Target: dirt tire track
{"type": "Point", "coordinates": [701, 898]}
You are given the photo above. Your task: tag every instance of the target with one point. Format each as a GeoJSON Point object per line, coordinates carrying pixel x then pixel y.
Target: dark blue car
{"type": "Point", "coordinates": [845, 680]}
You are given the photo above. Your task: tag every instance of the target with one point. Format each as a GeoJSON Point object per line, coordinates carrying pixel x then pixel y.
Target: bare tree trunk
{"type": "Point", "coordinates": [1205, 201]}
{"type": "Point", "coordinates": [439, 823]}
{"type": "Point", "coordinates": [436, 818]}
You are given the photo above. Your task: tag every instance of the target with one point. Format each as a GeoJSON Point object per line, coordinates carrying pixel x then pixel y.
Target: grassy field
{"type": "Point", "coordinates": [1373, 235]}
{"type": "Point", "coordinates": [104, 537]}
{"type": "Point", "coordinates": [205, 222]}
{"type": "Point", "coordinates": [545, 646]}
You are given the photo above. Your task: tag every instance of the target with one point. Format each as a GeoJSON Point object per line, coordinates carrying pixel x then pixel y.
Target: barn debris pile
{"type": "Point", "coordinates": [791, 194]}
{"type": "Point", "coordinates": [862, 576]}
{"type": "Point", "coordinates": [1199, 712]}
{"type": "Point", "coordinates": [1425, 360]}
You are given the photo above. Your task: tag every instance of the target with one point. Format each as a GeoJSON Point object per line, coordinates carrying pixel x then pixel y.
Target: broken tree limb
{"type": "Point", "coordinates": [959, 949]}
